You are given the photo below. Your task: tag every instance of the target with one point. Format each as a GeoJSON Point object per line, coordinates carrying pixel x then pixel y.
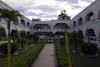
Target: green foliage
{"type": "Point", "coordinates": [89, 48]}
{"type": "Point", "coordinates": [62, 58]}
{"type": "Point", "coordinates": [23, 36]}
{"type": "Point", "coordinates": [62, 41]}
{"type": "Point", "coordinates": [63, 15]}
{"type": "Point", "coordinates": [3, 48]}
{"type": "Point", "coordinates": [37, 27]}
{"type": "Point", "coordinates": [65, 26]}
{"type": "Point", "coordinates": [35, 38]}
{"type": "Point", "coordinates": [75, 38]}
{"type": "Point", "coordinates": [10, 15]}
{"type": "Point", "coordinates": [28, 61]}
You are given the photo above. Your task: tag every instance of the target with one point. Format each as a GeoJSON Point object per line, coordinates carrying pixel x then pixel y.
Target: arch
{"type": "Point", "coordinates": [28, 24]}
{"type": "Point", "coordinates": [90, 17]}
{"type": "Point", "coordinates": [3, 32]}
{"type": "Point", "coordinates": [28, 32]}
{"type": "Point", "coordinates": [58, 25]}
{"type": "Point", "coordinates": [90, 34]}
{"type": "Point", "coordinates": [80, 21]}
{"type": "Point", "coordinates": [74, 24]}
{"type": "Point", "coordinates": [23, 22]}
{"type": "Point", "coordinates": [13, 32]}
{"type": "Point", "coordinates": [44, 26]}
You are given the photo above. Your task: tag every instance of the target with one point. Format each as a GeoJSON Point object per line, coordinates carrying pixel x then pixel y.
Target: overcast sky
{"type": "Point", "coordinates": [48, 9]}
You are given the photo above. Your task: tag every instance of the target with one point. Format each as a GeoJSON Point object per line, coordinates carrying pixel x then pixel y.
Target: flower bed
{"type": "Point", "coordinates": [89, 48]}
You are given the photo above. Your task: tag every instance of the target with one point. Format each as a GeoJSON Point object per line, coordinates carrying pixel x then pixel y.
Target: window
{"type": "Point", "coordinates": [80, 21]}
{"type": "Point", "coordinates": [90, 17]}
{"type": "Point", "coordinates": [74, 24]}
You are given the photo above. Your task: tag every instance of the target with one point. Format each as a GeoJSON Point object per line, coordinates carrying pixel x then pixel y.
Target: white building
{"type": "Point", "coordinates": [87, 21]}
{"type": "Point", "coordinates": [21, 24]}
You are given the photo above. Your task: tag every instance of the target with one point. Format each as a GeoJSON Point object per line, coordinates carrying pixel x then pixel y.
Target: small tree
{"type": "Point", "coordinates": [79, 37]}
{"type": "Point", "coordinates": [74, 34]}
{"type": "Point", "coordinates": [15, 36]}
{"type": "Point", "coordinates": [22, 35]}
{"type": "Point", "coordinates": [10, 15]}
{"type": "Point", "coordinates": [37, 27]}
{"type": "Point", "coordinates": [50, 34]}
{"type": "Point", "coordinates": [63, 15]}
{"type": "Point", "coordinates": [65, 26]}
{"type": "Point", "coordinates": [28, 36]}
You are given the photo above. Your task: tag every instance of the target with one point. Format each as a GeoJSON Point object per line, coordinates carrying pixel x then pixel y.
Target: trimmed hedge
{"type": "Point", "coordinates": [62, 58]}
{"type": "Point", "coordinates": [4, 48]}
{"type": "Point", "coordinates": [89, 48]}
{"type": "Point", "coordinates": [28, 61]}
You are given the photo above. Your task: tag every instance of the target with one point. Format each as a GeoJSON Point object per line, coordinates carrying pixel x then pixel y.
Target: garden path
{"type": "Point", "coordinates": [47, 57]}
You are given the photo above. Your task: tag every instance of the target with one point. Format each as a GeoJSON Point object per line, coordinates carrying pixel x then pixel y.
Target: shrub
{"type": "Point", "coordinates": [89, 48]}
{"type": "Point", "coordinates": [62, 58]}
{"type": "Point", "coordinates": [62, 40]}
{"type": "Point", "coordinates": [3, 48]}
{"type": "Point", "coordinates": [28, 60]}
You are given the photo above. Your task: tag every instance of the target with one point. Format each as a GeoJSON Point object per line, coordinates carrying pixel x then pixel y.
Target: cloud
{"type": "Point", "coordinates": [48, 9]}
{"type": "Point", "coordinates": [70, 1]}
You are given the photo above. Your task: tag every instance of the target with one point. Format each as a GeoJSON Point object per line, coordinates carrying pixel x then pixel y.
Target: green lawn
{"type": "Point", "coordinates": [16, 59]}
{"type": "Point", "coordinates": [83, 61]}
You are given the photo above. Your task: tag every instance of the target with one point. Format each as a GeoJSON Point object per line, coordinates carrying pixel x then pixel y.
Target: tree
{"type": "Point", "coordinates": [63, 15]}
{"type": "Point", "coordinates": [1, 33]}
{"type": "Point", "coordinates": [10, 15]}
{"type": "Point", "coordinates": [65, 26]}
{"type": "Point", "coordinates": [22, 35]}
{"type": "Point", "coordinates": [15, 36]}
{"type": "Point", "coordinates": [37, 27]}
{"type": "Point", "coordinates": [28, 38]}
{"type": "Point", "coordinates": [50, 34]}
{"type": "Point", "coordinates": [79, 37]}
{"type": "Point", "coordinates": [74, 34]}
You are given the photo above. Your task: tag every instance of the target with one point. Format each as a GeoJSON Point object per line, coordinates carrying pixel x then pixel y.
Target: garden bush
{"type": "Point", "coordinates": [4, 48]}
{"type": "Point", "coordinates": [62, 58]}
{"type": "Point", "coordinates": [28, 60]}
{"type": "Point", "coordinates": [89, 48]}
{"type": "Point", "coordinates": [62, 40]}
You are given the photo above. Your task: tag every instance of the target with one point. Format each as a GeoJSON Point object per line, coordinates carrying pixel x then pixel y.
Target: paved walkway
{"type": "Point", "coordinates": [47, 57]}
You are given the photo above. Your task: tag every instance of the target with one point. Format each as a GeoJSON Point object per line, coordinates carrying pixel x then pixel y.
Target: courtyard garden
{"type": "Point", "coordinates": [82, 54]}
{"type": "Point", "coordinates": [23, 57]}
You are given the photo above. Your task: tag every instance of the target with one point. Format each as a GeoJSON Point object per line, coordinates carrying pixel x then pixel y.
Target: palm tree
{"type": "Point", "coordinates": [65, 26]}
{"type": "Point", "coordinates": [22, 35]}
{"type": "Point", "coordinates": [10, 15]}
{"type": "Point", "coordinates": [37, 27]}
